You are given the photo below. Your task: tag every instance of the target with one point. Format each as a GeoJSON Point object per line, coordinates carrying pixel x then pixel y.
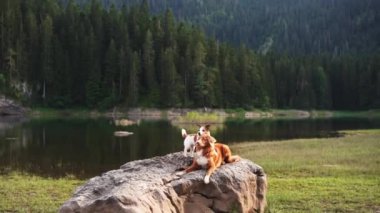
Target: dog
{"type": "Point", "coordinates": [189, 143]}
{"type": "Point", "coordinates": [190, 139]}
{"type": "Point", "coordinates": [209, 155]}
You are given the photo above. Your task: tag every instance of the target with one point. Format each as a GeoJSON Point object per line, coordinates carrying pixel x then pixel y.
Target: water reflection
{"type": "Point", "coordinates": [270, 129]}
{"type": "Point", "coordinates": [82, 147]}
{"type": "Point", "coordinates": [87, 147]}
{"type": "Point", "coordinates": [9, 122]}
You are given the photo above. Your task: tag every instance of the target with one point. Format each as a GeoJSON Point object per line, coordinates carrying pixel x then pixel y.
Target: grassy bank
{"type": "Point", "coordinates": [359, 114]}
{"type": "Point", "coordinates": [198, 115]}
{"type": "Point", "coordinates": [305, 175]}
{"type": "Point", "coordinates": [54, 113]}
{"type": "Point", "coordinates": [320, 175]}
{"type": "Point", "coordinates": [28, 193]}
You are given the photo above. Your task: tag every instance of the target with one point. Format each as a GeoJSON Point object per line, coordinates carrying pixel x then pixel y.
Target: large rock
{"type": "Point", "coordinates": [151, 186]}
{"type": "Point", "coordinates": [9, 107]}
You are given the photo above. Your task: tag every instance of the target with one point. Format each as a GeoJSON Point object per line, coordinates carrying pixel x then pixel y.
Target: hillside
{"type": "Point", "coordinates": [291, 26]}
{"type": "Point", "coordinates": [71, 55]}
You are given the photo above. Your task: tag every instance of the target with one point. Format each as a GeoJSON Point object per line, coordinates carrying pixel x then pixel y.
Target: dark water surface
{"type": "Point", "coordinates": [87, 147]}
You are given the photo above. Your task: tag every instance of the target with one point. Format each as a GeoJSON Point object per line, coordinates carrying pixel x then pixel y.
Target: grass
{"type": "Point", "coordinates": [305, 175]}
{"type": "Point", "coordinates": [27, 193]}
{"type": "Point", "coordinates": [53, 113]}
{"type": "Point", "coordinates": [360, 114]}
{"type": "Point", "coordinates": [197, 117]}
{"type": "Point", "coordinates": [320, 175]}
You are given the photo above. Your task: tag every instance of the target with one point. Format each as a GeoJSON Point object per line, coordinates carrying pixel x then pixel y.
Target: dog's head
{"type": "Point", "coordinates": [204, 141]}
{"type": "Point", "coordinates": [204, 130]}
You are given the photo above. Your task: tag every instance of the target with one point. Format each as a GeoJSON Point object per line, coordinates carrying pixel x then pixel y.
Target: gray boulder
{"type": "Point", "coordinates": [151, 186]}
{"type": "Point", "coordinates": [9, 107]}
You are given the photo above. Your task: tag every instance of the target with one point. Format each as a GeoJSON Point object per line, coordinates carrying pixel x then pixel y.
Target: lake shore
{"type": "Point", "coordinates": [186, 115]}
{"type": "Point", "coordinates": [305, 175]}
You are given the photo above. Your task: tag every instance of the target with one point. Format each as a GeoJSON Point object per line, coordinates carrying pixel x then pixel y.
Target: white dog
{"type": "Point", "coordinates": [190, 140]}
{"type": "Point", "coordinates": [189, 143]}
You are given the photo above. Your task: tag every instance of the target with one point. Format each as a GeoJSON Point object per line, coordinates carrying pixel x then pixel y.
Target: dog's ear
{"type": "Point", "coordinates": [207, 126]}
{"type": "Point", "coordinates": [198, 125]}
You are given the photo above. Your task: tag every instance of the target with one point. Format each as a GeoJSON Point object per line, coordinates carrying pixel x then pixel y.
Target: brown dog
{"type": "Point", "coordinates": [209, 155]}
{"type": "Point", "coordinates": [190, 139]}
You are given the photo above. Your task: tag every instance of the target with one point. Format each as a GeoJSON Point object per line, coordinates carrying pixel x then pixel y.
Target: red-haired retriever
{"type": "Point", "coordinates": [209, 155]}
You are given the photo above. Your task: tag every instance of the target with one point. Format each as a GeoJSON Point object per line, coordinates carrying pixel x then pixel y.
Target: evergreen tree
{"type": "Point", "coordinates": [133, 86]}
{"type": "Point", "coordinates": [149, 81]}
{"type": "Point", "coordinates": [46, 54]}
{"type": "Point", "coordinates": [122, 61]}
{"type": "Point", "coordinates": [111, 69]}
{"type": "Point", "coordinates": [320, 86]}
{"type": "Point", "coordinates": [170, 87]}
{"type": "Point", "coordinates": [169, 32]}
{"type": "Point", "coordinates": [93, 89]}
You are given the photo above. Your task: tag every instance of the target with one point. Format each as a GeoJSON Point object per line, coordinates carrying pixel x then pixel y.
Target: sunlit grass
{"type": "Point", "coordinates": [320, 175]}
{"type": "Point", "coordinates": [28, 193]}
{"type": "Point", "coordinates": [62, 113]}
{"type": "Point", "coordinates": [201, 118]}
{"type": "Point", "coordinates": [323, 194]}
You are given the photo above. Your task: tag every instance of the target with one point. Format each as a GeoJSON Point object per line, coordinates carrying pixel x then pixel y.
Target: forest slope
{"type": "Point", "coordinates": [292, 26]}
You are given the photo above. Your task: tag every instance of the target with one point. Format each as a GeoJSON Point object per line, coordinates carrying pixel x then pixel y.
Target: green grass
{"type": "Point", "coordinates": [305, 175]}
{"type": "Point", "coordinates": [320, 175]}
{"type": "Point", "coordinates": [54, 113]}
{"type": "Point", "coordinates": [201, 118]}
{"type": "Point", "coordinates": [364, 114]}
{"type": "Point", "coordinates": [26, 193]}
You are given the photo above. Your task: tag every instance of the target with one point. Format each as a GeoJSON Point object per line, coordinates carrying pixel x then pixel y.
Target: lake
{"type": "Point", "coordinates": [88, 147]}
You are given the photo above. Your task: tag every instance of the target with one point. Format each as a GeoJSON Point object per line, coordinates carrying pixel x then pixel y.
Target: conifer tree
{"type": "Point", "coordinates": [46, 54]}
{"type": "Point", "coordinates": [170, 87]}
{"type": "Point", "coordinates": [111, 69]}
{"type": "Point", "coordinates": [133, 86]}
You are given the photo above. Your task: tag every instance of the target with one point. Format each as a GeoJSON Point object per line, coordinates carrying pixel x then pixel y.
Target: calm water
{"type": "Point", "coordinates": [87, 147]}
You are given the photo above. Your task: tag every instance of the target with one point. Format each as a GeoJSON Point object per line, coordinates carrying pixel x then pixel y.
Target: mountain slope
{"type": "Point", "coordinates": [293, 26]}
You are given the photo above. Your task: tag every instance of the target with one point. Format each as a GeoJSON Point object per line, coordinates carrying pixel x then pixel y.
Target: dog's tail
{"type": "Point", "coordinates": [184, 134]}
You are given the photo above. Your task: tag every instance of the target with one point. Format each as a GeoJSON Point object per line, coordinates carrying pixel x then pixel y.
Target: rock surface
{"type": "Point", "coordinates": [9, 107]}
{"type": "Point", "coordinates": [122, 133]}
{"type": "Point", "coordinates": [151, 186]}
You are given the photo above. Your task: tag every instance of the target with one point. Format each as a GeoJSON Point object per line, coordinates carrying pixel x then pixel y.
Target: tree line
{"type": "Point", "coordinates": [64, 55]}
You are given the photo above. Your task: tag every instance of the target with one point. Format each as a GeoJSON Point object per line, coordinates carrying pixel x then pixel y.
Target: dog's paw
{"type": "Point", "coordinates": [236, 158]}
{"type": "Point", "coordinates": [180, 173]}
{"type": "Point", "coordinates": [207, 179]}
